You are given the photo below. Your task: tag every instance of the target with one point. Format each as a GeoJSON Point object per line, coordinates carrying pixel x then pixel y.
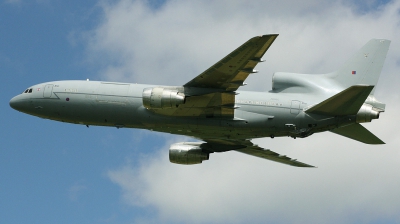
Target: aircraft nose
{"type": "Point", "coordinates": [17, 103]}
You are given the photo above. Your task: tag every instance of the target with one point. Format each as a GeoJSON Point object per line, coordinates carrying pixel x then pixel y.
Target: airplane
{"type": "Point", "coordinates": [212, 109]}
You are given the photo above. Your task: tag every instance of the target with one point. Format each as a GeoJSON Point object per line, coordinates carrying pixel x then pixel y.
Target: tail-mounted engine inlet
{"type": "Point", "coordinates": [367, 113]}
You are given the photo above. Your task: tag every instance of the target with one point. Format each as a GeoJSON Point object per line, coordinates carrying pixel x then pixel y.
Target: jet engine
{"type": "Point", "coordinates": [159, 97]}
{"type": "Point", "coordinates": [367, 113]}
{"type": "Point", "coordinates": [187, 153]}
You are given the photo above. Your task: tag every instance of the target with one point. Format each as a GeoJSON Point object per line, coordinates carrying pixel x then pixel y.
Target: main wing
{"type": "Point", "coordinates": [230, 72]}
{"type": "Point", "coordinates": [211, 94]}
{"type": "Point", "coordinates": [247, 147]}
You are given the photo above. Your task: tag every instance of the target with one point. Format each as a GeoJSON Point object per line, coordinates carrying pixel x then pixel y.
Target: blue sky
{"type": "Point", "coordinates": [55, 172]}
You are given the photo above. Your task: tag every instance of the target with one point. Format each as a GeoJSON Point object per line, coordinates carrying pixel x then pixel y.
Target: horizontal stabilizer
{"type": "Point", "coordinates": [347, 102]}
{"type": "Point", "coordinates": [358, 133]}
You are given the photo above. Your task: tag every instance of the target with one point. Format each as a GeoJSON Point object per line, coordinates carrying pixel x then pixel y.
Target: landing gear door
{"type": "Point", "coordinates": [48, 89]}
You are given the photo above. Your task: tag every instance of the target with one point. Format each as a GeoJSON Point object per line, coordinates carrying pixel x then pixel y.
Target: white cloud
{"type": "Point", "coordinates": [171, 45]}
{"type": "Point", "coordinates": [76, 190]}
{"type": "Point", "coordinates": [352, 180]}
{"type": "Point", "coordinates": [175, 43]}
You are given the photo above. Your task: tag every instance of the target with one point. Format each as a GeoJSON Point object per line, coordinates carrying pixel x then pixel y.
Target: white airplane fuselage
{"type": "Point", "coordinates": [211, 108]}
{"type": "Point", "coordinates": [257, 114]}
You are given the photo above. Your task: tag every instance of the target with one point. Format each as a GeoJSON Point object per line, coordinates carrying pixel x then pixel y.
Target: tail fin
{"type": "Point", "coordinates": [365, 66]}
{"type": "Point", "coordinates": [359, 133]}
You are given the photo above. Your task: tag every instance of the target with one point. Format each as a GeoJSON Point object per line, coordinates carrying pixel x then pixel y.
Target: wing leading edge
{"type": "Point", "coordinates": [230, 72]}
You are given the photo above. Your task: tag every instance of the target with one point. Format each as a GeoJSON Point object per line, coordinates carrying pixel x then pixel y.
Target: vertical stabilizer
{"type": "Point", "coordinates": [365, 66]}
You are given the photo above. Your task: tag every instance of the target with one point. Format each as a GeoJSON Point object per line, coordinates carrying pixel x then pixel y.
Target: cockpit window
{"type": "Point", "coordinates": [28, 91]}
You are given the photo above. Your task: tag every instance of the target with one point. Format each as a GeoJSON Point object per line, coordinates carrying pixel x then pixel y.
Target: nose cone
{"type": "Point", "coordinates": [13, 103]}
{"type": "Point", "coordinates": [17, 103]}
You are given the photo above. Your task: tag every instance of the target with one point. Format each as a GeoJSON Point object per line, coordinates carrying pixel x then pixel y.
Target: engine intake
{"type": "Point", "coordinates": [187, 153]}
{"type": "Point", "coordinates": [367, 113]}
{"type": "Point", "coordinates": [159, 97]}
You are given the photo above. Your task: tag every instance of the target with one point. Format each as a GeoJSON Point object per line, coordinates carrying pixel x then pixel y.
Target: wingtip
{"type": "Point", "coordinates": [305, 165]}
{"type": "Point", "coordinates": [309, 166]}
{"type": "Point", "coordinates": [269, 35]}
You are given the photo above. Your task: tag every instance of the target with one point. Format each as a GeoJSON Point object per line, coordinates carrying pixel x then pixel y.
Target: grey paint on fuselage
{"type": "Point", "coordinates": [260, 114]}
{"type": "Point", "coordinates": [210, 107]}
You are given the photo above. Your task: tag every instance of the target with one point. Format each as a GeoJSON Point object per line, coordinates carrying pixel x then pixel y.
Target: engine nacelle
{"type": "Point", "coordinates": [187, 153]}
{"type": "Point", "coordinates": [159, 97]}
{"type": "Point", "coordinates": [366, 114]}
